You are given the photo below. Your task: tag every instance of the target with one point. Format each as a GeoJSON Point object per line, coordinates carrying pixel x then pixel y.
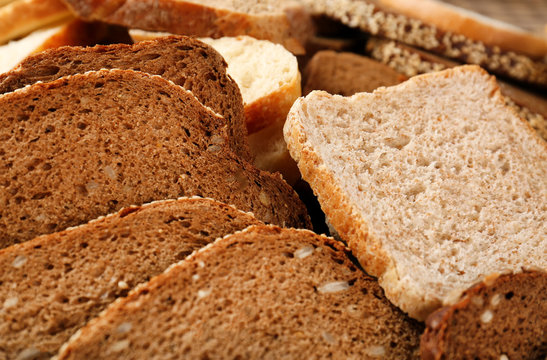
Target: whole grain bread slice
{"type": "Point", "coordinates": [434, 183]}
{"type": "Point", "coordinates": [376, 20]}
{"type": "Point", "coordinates": [185, 61]}
{"type": "Point", "coordinates": [283, 22]}
{"type": "Point", "coordinates": [52, 285]}
{"type": "Point", "coordinates": [503, 317]}
{"type": "Point", "coordinates": [89, 144]}
{"type": "Point", "coordinates": [263, 293]}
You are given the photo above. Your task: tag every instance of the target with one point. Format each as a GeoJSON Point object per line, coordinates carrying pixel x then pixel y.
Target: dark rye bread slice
{"type": "Point", "coordinates": [52, 285]}
{"type": "Point", "coordinates": [503, 317]}
{"type": "Point", "coordinates": [185, 61]}
{"type": "Point", "coordinates": [263, 293]}
{"type": "Point", "coordinates": [89, 144]}
{"type": "Point", "coordinates": [411, 61]}
{"type": "Point", "coordinates": [346, 73]}
{"type": "Point", "coordinates": [373, 19]}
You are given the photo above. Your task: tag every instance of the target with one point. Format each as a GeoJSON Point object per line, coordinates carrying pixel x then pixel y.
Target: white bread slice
{"type": "Point", "coordinates": [21, 17]}
{"type": "Point", "coordinates": [434, 183]}
{"type": "Point", "coordinates": [473, 25]}
{"type": "Point", "coordinates": [284, 22]}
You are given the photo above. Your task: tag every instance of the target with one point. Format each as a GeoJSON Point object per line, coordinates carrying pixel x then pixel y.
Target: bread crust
{"type": "Point", "coordinates": [490, 32]}
{"type": "Point", "coordinates": [23, 16]}
{"type": "Point", "coordinates": [190, 18]}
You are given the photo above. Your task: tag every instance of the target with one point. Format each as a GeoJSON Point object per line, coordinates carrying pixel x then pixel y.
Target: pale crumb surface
{"type": "Point", "coordinates": [450, 181]}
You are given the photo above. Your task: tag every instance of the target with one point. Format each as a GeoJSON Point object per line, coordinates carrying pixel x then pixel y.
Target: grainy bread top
{"type": "Point", "coordinates": [52, 285]}
{"type": "Point", "coordinates": [185, 61]}
{"type": "Point", "coordinates": [87, 145]}
{"type": "Point", "coordinates": [346, 73]}
{"type": "Point", "coordinates": [264, 293]}
{"type": "Point", "coordinates": [434, 183]}
{"type": "Point", "coordinates": [503, 317]}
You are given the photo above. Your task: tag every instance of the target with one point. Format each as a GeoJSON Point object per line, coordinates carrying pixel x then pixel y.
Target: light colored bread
{"type": "Point", "coordinates": [89, 144]}
{"type": "Point", "coordinates": [64, 279]}
{"type": "Point", "coordinates": [71, 33]}
{"type": "Point", "coordinates": [263, 293]}
{"type": "Point", "coordinates": [373, 19]}
{"type": "Point", "coordinates": [472, 25]}
{"type": "Point", "coordinates": [433, 183]}
{"type": "Point", "coordinates": [185, 61]}
{"type": "Point", "coordinates": [21, 17]}
{"type": "Point", "coordinates": [278, 21]}
{"type": "Point", "coordinates": [411, 61]}
{"type": "Point", "coordinates": [503, 317]}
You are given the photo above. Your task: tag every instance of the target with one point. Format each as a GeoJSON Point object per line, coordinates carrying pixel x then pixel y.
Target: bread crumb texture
{"type": "Point", "coordinates": [262, 293]}
{"type": "Point", "coordinates": [434, 183]}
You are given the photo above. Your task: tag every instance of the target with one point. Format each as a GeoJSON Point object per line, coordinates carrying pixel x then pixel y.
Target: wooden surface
{"type": "Point", "coordinates": [527, 14]}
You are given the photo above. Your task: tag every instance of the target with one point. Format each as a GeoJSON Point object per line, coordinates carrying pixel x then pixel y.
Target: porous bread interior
{"type": "Point", "coordinates": [265, 292]}
{"type": "Point", "coordinates": [259, 67]}
{"type": "Point", "coordinates": [69, 277]}
{"type": "Point", "coordinates": [449, 181]}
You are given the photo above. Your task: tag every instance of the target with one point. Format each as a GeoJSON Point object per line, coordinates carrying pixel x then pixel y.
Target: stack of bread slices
{"type": "Point", "coordinates": [162, 175]}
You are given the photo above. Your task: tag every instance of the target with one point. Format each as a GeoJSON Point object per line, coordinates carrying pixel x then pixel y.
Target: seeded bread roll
{"type": "Point", "coordinates": [282, 22]}
{"type": "Point", "coordinates": [503, 317]}
{"type": "Point", "coordinates": [411, 61]}
{"type": "Point", "coordinates": [18, 18]}
{"type": "Point", "coordinates": [64, 279]}
{"type": "Point", "coordinates": [89, 144]}
{"type": "Point", "coordinates": [264, 293]}
{"type": "Point", "coordinates": [434, 183]}
{"type": "Point", "coordinates": [185, 61]}
{"type": "Point", "coordinates": [346, 73]}
{"type": "Point", "coordinates": [376, 20]}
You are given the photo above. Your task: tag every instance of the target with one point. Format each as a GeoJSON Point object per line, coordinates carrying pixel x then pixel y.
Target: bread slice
{"type": "Point", "coordinates": [21, 17]}
{"type": "Point", "coordinates": [269, 80]}
{"type": "Point", "coordinates": [434, 183]}
{"type": "Point", "coordinates": [264, 19]}
{"type": "Point", "coordinates": [346, 73]}
{"type": "Point", "coordinates": [262, 293]}
{"type": "Point", "coordinates": [185, 61]}
{"type": "Point", "coordinates": [64, 279]}
{"type": "Point", "coordinates": [503, 317]}
{"type": "Point", "coordinates": [89, 144]}
{"type": "Point", "coordinates": [374, 19]}
{"type": "Point", "coordinates": [455, 19]}
{"type": "Point", "coordinates": [411, 61]}
{"type": "Point", "coordinates": [70, 33]}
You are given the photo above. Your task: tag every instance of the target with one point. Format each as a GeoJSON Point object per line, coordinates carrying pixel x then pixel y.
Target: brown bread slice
{"type": "Point", "coordinates": [52, 285]}
{"type": "Point", "coordinates": [185, 61]}
{"type": "Point", "coordinates": [263, 293]}
{"type": "Point", "coordinates": [346, 73]}
{"type": "Point", "coordinates": [503, 317]}
{"type": "Point", "coordinates": [89, 144]}
{"type": "Point", "coordinates": [434, 183]}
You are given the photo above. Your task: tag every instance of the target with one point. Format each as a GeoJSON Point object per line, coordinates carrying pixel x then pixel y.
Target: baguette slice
{"type": "Point", "coordinates": [89, 144]}
{"type": "Point", "coordinates": [21, 17]}
{"type": "Point", "coordinates": [503, 317]}
{"type": "Point", "coordinates": [434, 183]}
{"type": "Point", "coordinates": [281, 22]}
{"type": "Point", "coordinates": [261, 293]}
{"type": "Point", "coordinates": [64, 279]}
{"type": "Point", "coordinates": [185, 61]}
